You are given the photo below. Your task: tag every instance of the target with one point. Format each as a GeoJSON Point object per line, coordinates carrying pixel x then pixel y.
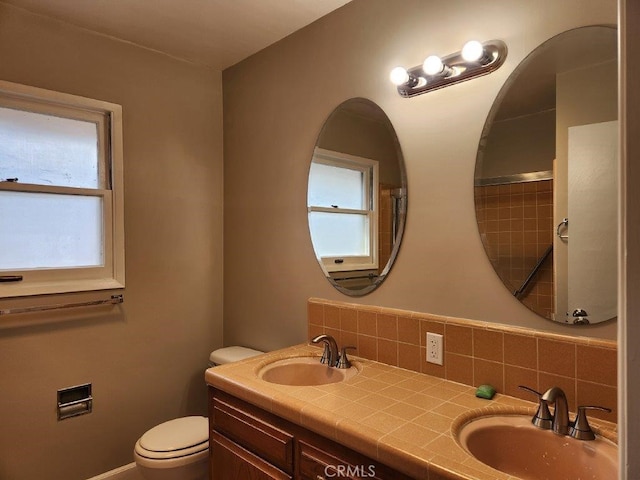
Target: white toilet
{"type": "Point", "coordinates": [179, 449]}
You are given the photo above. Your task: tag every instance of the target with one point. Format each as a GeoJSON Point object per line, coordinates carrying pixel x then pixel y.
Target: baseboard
{"type": "Point", "coordinates": [126, 472]}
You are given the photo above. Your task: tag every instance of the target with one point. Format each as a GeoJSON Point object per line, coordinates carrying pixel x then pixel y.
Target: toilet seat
{"type": "Point", "coordinates": [176, 438]}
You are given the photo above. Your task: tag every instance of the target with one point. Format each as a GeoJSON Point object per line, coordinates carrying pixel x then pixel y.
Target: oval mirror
{"type": "Point", "coordinates": [546, 178]}
{"type": "Point", "coordinates": [356, 197]}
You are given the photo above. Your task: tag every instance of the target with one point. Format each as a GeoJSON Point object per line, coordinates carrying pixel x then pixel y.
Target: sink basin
{"type": "Point", "coordinates": [511, 444]}
{"type": "Point", "coordinates": [300, 371]}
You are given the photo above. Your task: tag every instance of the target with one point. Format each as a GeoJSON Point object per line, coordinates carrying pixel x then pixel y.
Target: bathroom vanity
{"type": "Point", "coordinates": [249, 443]}
{"type": "Point", "coordinates": [382, 422]}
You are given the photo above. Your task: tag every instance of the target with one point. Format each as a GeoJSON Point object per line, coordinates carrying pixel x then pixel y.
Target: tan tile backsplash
{"type": "Point", "coordinates": [476, 352]}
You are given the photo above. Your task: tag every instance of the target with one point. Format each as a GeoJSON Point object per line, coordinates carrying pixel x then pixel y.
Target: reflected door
{"type": "Point", "coordinates": [592, 209]}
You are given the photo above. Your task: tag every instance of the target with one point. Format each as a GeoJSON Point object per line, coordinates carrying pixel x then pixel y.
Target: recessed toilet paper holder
{"type": "Point", "coordinates": [74, 401]}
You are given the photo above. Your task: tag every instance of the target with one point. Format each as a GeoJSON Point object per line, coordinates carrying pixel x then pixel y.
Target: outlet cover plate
{"type": "Point", "coordinates": [434, 348]}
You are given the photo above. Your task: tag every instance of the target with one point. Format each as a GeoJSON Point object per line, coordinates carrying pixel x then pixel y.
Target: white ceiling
{"type": "Point", "coordinates": [216, 33]}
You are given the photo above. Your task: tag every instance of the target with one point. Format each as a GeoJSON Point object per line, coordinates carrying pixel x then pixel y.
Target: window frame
{"type": "Point", "coordinates": [108, 117]}
{"type": "Point", "coordinates": [369, 167]}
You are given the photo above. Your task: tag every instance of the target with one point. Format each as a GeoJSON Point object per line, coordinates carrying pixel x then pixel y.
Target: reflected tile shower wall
{"type": "Point", "coordinates": [516, 225]}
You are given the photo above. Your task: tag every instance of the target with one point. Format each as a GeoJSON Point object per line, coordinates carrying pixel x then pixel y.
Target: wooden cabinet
{"type": "Point", "coordinates": [248, 443]}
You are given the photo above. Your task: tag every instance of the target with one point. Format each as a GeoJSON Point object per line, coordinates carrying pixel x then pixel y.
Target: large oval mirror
{"type": "Point", "coordinates": [356, 197]}
{"type": "Point", "coordinates": [546, 178]}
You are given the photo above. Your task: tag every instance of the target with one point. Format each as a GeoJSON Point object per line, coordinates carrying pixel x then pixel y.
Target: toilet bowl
{"type": "Point", "coordinates": [179, 449]}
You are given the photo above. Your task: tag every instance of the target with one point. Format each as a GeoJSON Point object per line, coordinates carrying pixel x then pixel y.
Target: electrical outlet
{"type": "Point", "coordinates": [434, 348]}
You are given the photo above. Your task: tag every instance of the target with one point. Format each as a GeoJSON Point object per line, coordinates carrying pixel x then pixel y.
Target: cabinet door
{"type": "Point", "coordinates": [253, 429]}
{"type": "Point", "coordinates": [230, 461]}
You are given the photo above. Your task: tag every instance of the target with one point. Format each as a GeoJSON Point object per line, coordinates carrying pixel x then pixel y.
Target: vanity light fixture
{"type": "Point", "coordinates": [473, 60]}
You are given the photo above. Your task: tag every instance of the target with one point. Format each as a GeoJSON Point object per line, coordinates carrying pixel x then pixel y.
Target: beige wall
{"type": "Point", "coordinates": [520, 145]}
{"type": "Point", "coordinates": [364, 136]}
{"type": "Point", "coordinates": [275, 105]}
{"type": "Point", "coordinates": [146, 360]}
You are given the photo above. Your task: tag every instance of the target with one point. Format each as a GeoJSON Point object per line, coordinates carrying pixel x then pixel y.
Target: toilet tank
{"type": "Point", "coordinates": [231, 354]}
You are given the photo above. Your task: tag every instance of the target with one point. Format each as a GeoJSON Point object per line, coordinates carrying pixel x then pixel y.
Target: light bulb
{"type": "Point", "coordinates": [472, 51]}
{"type": "Point", "coordinates": [399, 76]}
{"type": "Point", "coordinates": [433, 65]}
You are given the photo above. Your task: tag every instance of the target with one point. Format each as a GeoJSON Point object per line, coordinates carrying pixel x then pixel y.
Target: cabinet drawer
{"type": "Point", "coordinates": [247, 426]}
{"type": "Point", "coordinates": [325, 460]}
{"type": "Point", "coordinates": [315, 464]}
{"type": "Point", "coordinates": [230, 461]}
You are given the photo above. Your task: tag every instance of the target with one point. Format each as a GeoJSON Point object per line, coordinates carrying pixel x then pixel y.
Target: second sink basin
{"type": "Point", "coordinates": [299, 371]}
{"type": "Point", "coordinates": [511, 444]}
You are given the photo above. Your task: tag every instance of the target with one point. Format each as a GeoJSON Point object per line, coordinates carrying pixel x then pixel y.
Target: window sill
{"type": "Point", "coordinates": [12, 290]}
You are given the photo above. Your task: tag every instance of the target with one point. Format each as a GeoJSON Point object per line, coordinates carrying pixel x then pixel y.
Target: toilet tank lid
{"type": "Point", "coordinates": [176, 434]}
{"type": "Point", "coordinates": [232, 354]}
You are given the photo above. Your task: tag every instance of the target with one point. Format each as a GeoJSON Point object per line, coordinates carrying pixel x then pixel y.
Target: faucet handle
{"type": "Point", "coordinates": [542, 418]}
{"type": "Point", "coordinates": [581, 429]}
{"type": "Point", "coordinates": [343, 361]}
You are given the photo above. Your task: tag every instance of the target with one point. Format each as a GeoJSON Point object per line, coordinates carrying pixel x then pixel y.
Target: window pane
{"type": "Point", "coordinates": [339, 234]}
{"type": "Point", "coordinates": [48, 150]}
{"type": "Point", "coordinates": [42, 230]}
{"type": "Point", "coordinates": [339, 186]}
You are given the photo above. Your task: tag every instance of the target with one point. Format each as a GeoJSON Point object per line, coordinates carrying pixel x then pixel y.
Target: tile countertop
{"type": "Point", "coordinates": [401, 418]}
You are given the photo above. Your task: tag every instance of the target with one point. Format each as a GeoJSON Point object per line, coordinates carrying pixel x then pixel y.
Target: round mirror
{"type": "Point", "coordinates": [546, 178]}
{"type": "Point", "coordinates": [357, 197]}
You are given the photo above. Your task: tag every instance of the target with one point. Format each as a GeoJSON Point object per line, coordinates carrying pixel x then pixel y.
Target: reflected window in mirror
{"type": "Point", "coordinates": [356, 197]}
{"type": "Point", "coordinates": [343, 211]}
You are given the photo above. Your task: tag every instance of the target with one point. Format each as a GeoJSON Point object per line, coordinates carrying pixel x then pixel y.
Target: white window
{"type": "Point", "coordinates": [342, 203]}
{"type": "Point", "coordinates": [61, 206]}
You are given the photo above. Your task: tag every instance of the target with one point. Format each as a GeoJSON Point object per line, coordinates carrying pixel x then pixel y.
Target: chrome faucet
{"type": "Point", "coordinates": [330, 354]}
{"type": "Point", "coordinates": [559, 421]}
{"type": "Point", "coordinates": [560, 424]}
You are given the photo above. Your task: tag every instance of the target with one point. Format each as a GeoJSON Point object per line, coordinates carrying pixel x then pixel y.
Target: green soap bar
{"type": "Point", "coordinates": [485, 391]}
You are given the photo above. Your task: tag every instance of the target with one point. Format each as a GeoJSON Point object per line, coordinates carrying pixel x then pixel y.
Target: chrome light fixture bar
{"type": "Point", "coordinates": [475, 59]}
